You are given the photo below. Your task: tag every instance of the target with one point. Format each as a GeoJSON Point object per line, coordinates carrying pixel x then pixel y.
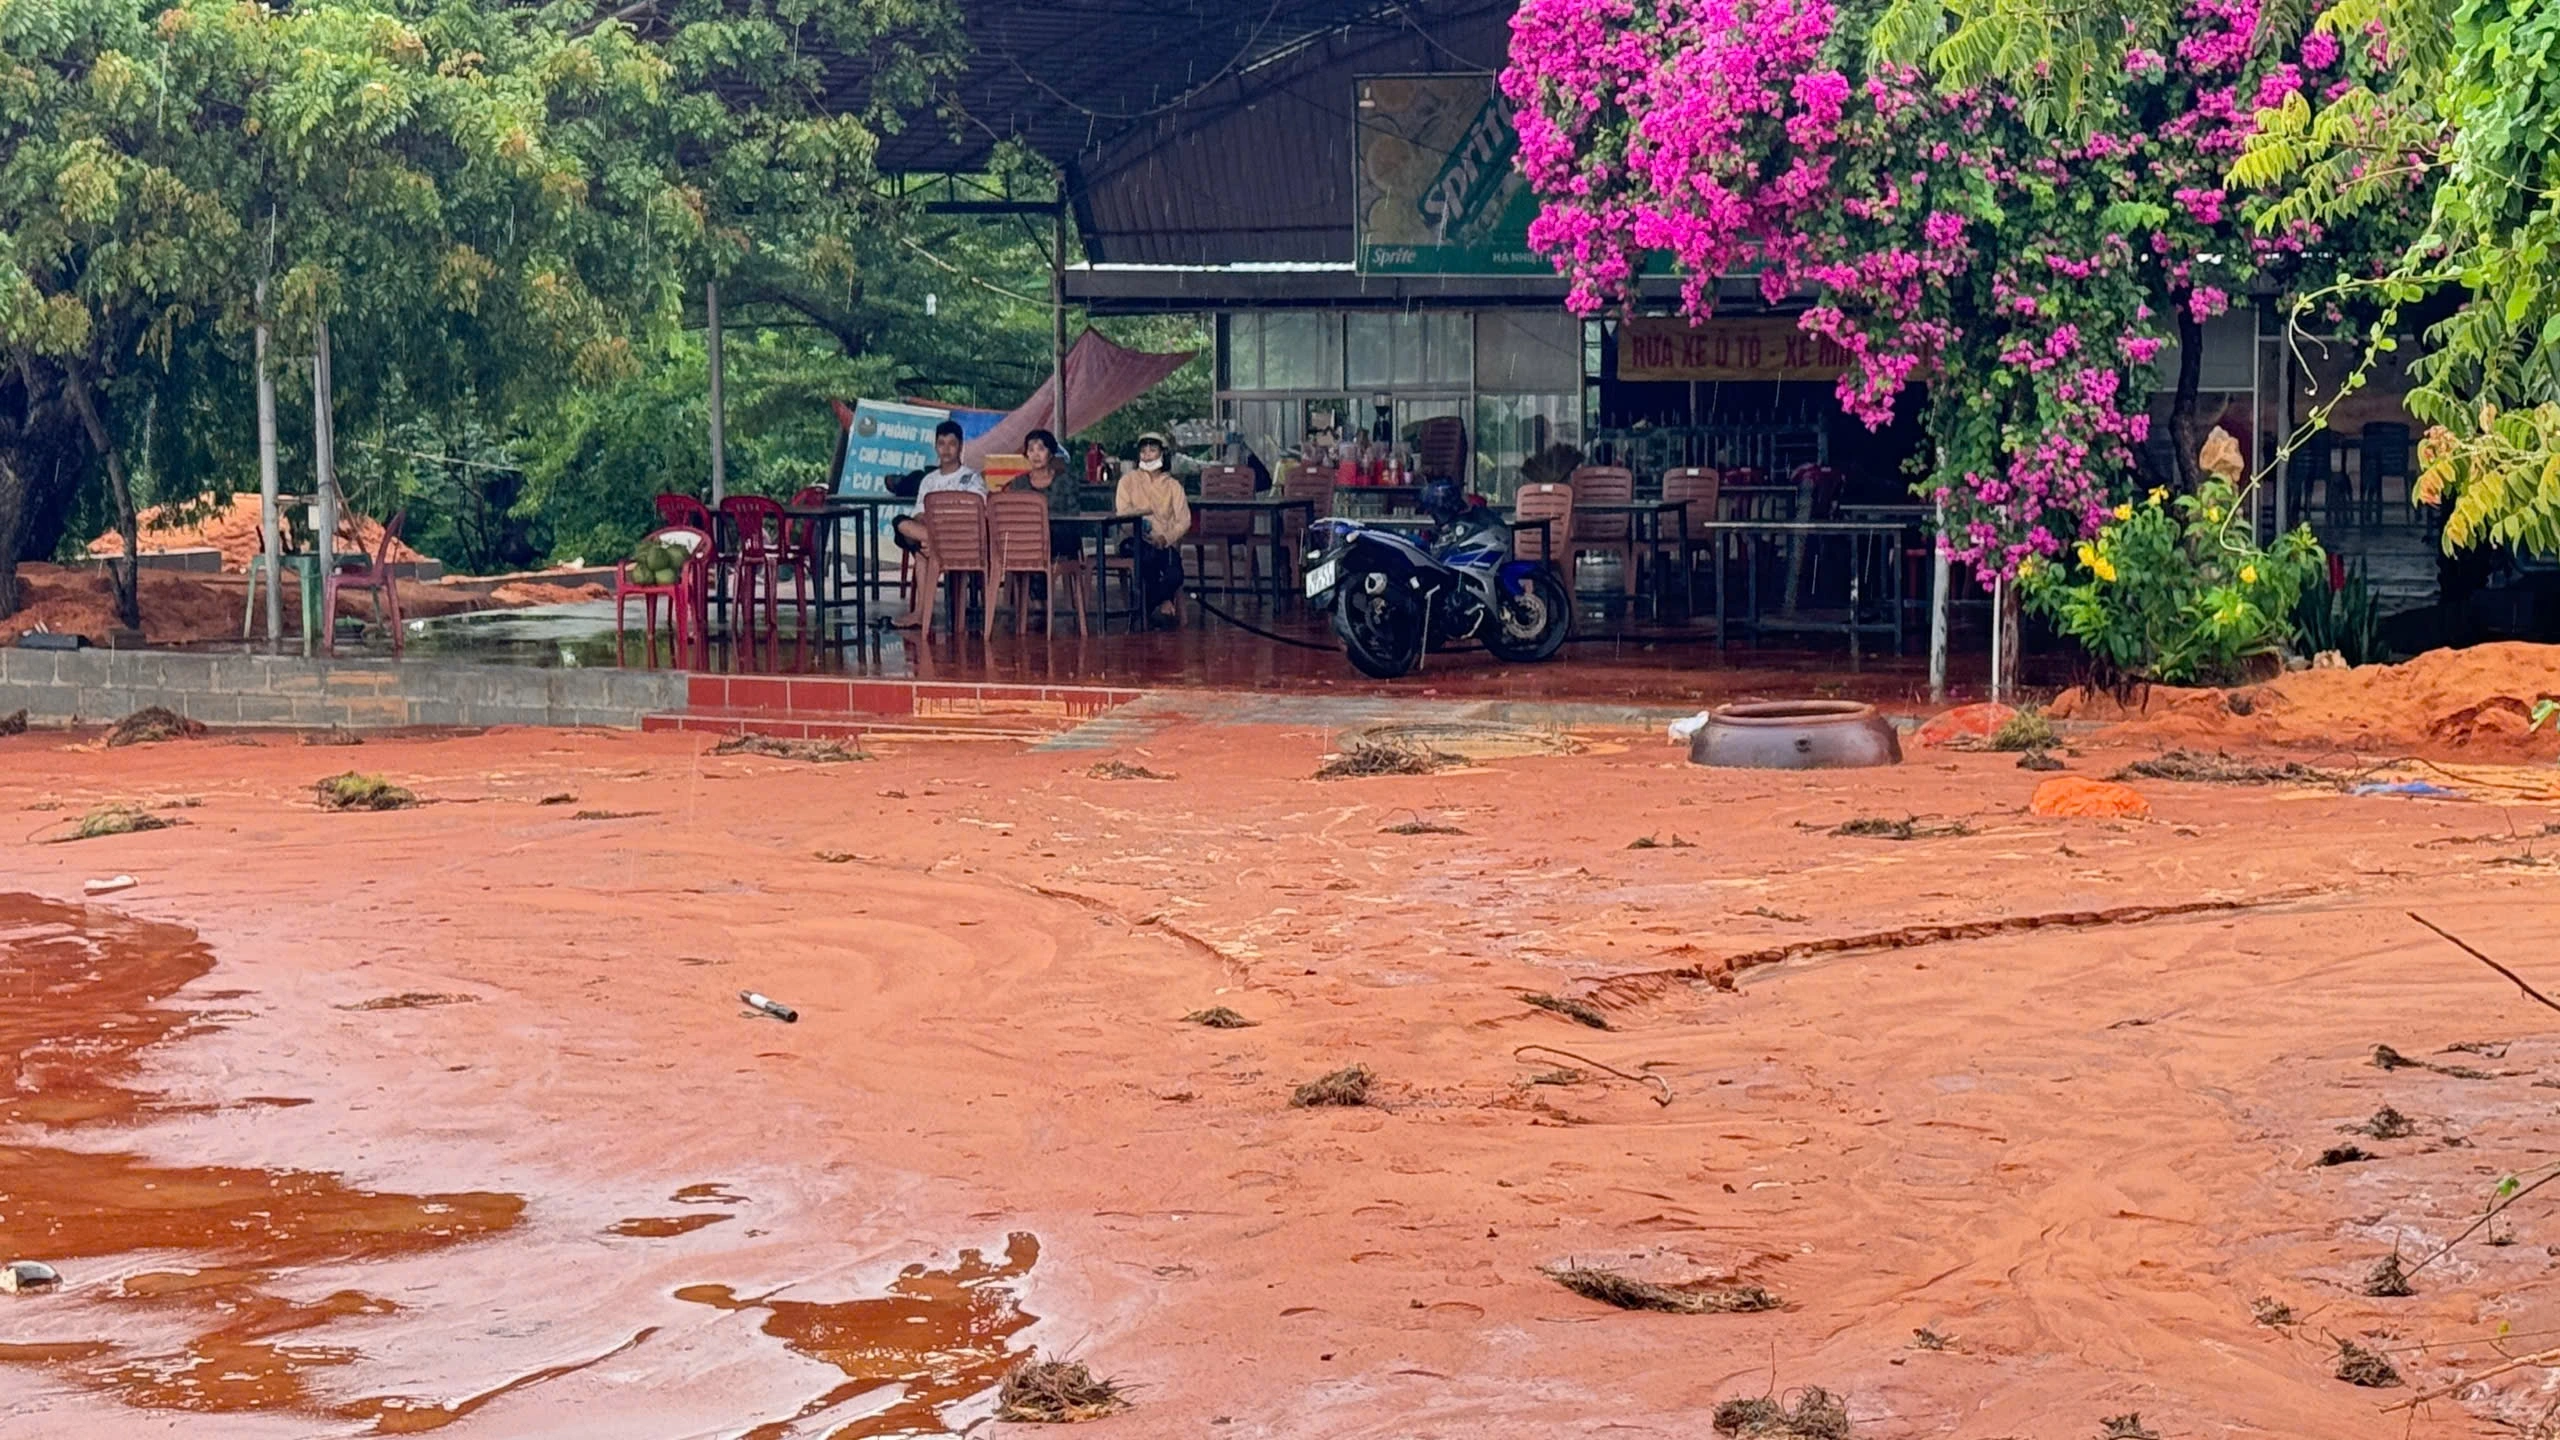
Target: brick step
{"type": "Point", "coordinates": [792, 725]}
{"type": "Point", "coordinates": [815, 698]}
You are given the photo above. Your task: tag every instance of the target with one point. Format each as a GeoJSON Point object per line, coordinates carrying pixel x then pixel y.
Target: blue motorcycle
{"type": "Point", "coordinates": [1394, 597]}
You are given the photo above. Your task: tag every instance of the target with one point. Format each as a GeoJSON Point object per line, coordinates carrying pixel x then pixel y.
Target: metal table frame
{"type": "Point", "coordinates": [1860, 533]}
{"type": "Point", "coordinates": [1099, 524]}
{"type": "Point", "coordinates": [1276, 507]}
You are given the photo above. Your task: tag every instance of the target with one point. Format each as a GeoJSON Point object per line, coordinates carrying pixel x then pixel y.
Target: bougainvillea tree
{"type": "Point", "coordinates": [2027, 272]}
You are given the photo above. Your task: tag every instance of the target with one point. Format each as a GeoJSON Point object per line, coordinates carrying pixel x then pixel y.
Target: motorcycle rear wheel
{"type": "Point", "coordinates": [1380, 623]}
{"type": "Point", "coordinates": [1531, 625]}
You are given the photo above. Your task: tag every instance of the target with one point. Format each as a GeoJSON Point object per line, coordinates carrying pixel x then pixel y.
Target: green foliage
{"type": "Point", "coordinates": [2467, 103]}
{"type": "Point", "coordinates": [2178, 590]}
{"type": "Point", "coordinates": [2345, 620]}
{"type": "Point", "coordinates": [2054, 55]}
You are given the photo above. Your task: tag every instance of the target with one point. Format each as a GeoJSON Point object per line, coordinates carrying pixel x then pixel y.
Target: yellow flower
{"type": "Point", "coordinates": [2103, 568]}
{"type": "Point", "coordinates": [2213, 514]}
{"type": "Point", "coordinates": [2158, 494]}
{"type": "Point", "coordinates": [2125, 511]}
{"type": "Point", "coordinates": [2248, 574]}
{"type": "Point", "coordinates": [2088, 556]}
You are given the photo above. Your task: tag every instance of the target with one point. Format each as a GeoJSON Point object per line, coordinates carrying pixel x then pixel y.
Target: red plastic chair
{"type": "Point", "coordinates": [688, 600]}
{"type": "Point", "coordinates": [763, 553]}
{"type": "Point", "coordinates": [674, 509]}
{"type": "Point", "coordinates": [375, 579]}
{"type": "Point", "coordinates": [801, 550]}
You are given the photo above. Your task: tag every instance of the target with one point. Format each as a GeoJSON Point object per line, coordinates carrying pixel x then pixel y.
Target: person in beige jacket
{"type": "Point", "coordinates": [1148, 489]}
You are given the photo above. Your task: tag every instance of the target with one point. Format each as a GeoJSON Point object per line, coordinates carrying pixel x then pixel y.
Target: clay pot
{"type": "Point", "coordinates": [1796, 735]}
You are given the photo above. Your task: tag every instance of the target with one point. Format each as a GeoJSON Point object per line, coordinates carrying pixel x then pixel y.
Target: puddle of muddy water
{"type": "Point", "coordinates": [939, 1336]}
{"type": "Point", "coordinates": [202, 1327]}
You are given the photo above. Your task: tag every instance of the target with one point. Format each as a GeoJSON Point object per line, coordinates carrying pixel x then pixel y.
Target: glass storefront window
{"type": "Point", "coordinates": [1511, 428]}
{"type": "Point", "coordinates": [1436, 348]}
{"type": "Point", "coordinates": [1284, 350]}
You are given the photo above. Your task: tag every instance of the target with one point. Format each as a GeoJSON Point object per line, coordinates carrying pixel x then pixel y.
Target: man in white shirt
{"type": "Point", "coordinates": [951, 475]}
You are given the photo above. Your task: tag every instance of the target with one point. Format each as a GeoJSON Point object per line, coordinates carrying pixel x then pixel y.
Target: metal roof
{"type": "Point", "coordinates": [1193, 131]}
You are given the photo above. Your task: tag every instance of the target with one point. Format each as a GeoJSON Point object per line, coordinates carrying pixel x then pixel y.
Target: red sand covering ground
{"type": "Point", "coordinates": [2476, 702]}
{"type": "Point", "coordinates": [232, 528]}
{"type": "Point", "coordinates": [2055, 1090]}
{"type": "Point", "coordinates": [183, 609]}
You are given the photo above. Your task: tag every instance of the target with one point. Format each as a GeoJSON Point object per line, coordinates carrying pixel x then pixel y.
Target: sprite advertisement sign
{"type": "Point", "coordinates": [1437, 192]}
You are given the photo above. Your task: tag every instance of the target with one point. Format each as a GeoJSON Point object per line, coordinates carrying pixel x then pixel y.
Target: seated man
{"type": "Point", "coordinates": [950, 475]}
{"type": "Point", "coordinates": [1149, 489]}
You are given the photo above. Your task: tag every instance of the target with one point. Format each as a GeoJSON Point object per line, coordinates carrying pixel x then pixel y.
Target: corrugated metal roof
{"type": "Point", "coordinates": [1195, 131]}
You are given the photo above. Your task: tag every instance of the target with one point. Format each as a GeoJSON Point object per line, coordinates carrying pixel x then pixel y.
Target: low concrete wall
{"type": "Point", "coordinates": [97, 686]}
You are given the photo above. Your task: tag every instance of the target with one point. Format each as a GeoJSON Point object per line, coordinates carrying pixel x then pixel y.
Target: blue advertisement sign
{"type": "Point", "coordinates": [885, 439]}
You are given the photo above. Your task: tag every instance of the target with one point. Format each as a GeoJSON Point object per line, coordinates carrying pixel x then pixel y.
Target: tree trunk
{"type": "Point", "coordinates": [128, 575]}
{"type": "Point", "coordinates": [13, 509]}
{"type": "Point", "coordinates": [2184, 438]}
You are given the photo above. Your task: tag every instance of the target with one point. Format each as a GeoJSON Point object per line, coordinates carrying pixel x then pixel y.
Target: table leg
{"type": "Point", "coordinates": [1101, 576]}
{"type": "Point", "coordinates": [1721, 635]}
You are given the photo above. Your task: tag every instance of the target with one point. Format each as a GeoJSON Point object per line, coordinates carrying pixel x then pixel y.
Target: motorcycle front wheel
{"type": "Point", "coordinates": [1531, 625]}
{"type": "Point", "coordinates": [1380, 623]}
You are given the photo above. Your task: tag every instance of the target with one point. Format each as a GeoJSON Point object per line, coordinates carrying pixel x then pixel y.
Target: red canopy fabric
{"type": "Point", "coordinates": [1101, 377]}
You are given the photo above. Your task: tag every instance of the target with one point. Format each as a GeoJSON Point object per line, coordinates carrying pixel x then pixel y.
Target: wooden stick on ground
{"type": "Point", "coordinates": [2546, 1357]}
{"type": "Point", "coordinates": [2468, 949]}
{"type": "Point", "coordinates": [1663, 1099]}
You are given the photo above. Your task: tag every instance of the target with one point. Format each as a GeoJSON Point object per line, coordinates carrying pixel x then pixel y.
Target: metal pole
{"type": "Point", "coordinates": [1999, 640]}
{"type": "Point", "coordinates": [719, 416]}
{"type": "Point", "coordinates": [270, 528]}
{"type": "Point", "coordinates": [324, 461]}
{"type": "Point", "coordinates": [1938, 610]}
{"type": "Point", "coordinates": [1058, 317]}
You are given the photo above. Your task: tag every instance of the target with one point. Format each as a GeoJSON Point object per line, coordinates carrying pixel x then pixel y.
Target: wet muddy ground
{"type": "Point", "coordinates": [451, 1118]}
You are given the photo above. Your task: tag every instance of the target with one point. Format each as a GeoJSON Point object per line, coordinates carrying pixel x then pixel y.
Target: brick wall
{"type": "Point", "coordinates": [96, 686]}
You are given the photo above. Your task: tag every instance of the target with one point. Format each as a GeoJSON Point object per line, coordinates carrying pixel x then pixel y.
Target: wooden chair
{"type": "Point", "coordinates": [1313, 483]}
{"type": "Point", "coordinates": [2382, 453]}
{"type": "Point", "coordinates": [1440, 448]}
{"type": "Point", "coordinates": [1229, 530]}
{"type": "Point", "coordinates": [1605, 534]}
{"type": "Point", "coordinates": [1700, 493]}
{"type": "Point", "coordinates": [1018, 528]}
{"type": "Point", "coordinates": [1546, 501]}
{"type": "Point", "coordinates": [955, 526]}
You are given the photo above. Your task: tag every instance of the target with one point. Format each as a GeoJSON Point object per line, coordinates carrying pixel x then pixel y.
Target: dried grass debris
{"type": "Point", "coordinates": [15, 722]}
{"type": "Point", "coordinates": [1346, 1086]}
{"type": "Point", "coordinates": [1816, 1415]}
{"type": "Point", "coordinates": [2271, 1312]}
{"type": "Point", "coordinates": [357, 791]}
{"type": "Point", "coordinates": [2386, 1280]}
{"type": "Point", "coordinates": [2220, 768]}
{"type": "Point", "coordinates": [816, 752]}
{"type": "Point", "coordinates": [1219, 1017]}
{"type": "Point", "coordinates": [1909, 827]}
{"type": "Point", "coordinates": [1610, 1287]}
{"type": "Point", "coordinates": [1570, 1008]}
{"type": "Point", "coordinates": [1363, 758]}
{"type": "Point", "coordinates": [1123, 770]}
{"type": "Point", "coordinates": [152, 724]}
{"type": "Point", "coordinates": [2386, 1124]}
{"type": "Point", "coordinates": [1056, 1391]}
{"type": "Point", "coordinates": [2369, 1368]}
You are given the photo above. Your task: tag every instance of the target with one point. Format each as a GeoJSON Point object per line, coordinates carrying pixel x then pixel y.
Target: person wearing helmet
{"type": "Point", "coordinates": [1148, 489]}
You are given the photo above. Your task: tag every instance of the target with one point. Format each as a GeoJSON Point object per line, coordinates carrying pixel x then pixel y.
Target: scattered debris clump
{"type": "Point", "coordinates": [2344, 1155]}
{"type": "Point", "coordinates": [2386, 1280]}
{"type": "Point", "coordinates": [2271, 1312]}
{"type": "Point", "coordinates": [2026, 731]}
{"type": "Point", "coordinates": [2221, 769]}
{"type": "Point", "coordinates": [1219, 1017]}
{"type": "Point", "coordinates": [1346, 1086]}
{"type": "Point", "coordinates": [560, 798]}
{"type": "Point", "coordinates": [2039, 760]}
{"type": "Point", "coordinates": [116, 819]}
{"type": "Point", "coordinates": [152, 724]}
{"type": "Point", "coordinates": [1122, 770]}
{"type": "Point", "coordinates": [2387, 1124]}
{"type": "Point", "coordinates": [412, 1000]}
{"type": "Point", "coordinates": [609, 814]}
{"type": "Point", "coordinates": [1628, 1293]}
{"type": "Point", "coordinates": [1572, 1009]}
{"type": "Point", "coordinates": [1925, 1338]}
{"type": "Point", "coordinates": [1420, 826]}
{"type": "Point", "coordinates": [15, 722]}
{"type": "Point", "coordinates": [1055, 1392]}
{"type": "Point", "coordinates": [1647, 842]}
{"type": "Point", "coordinates": [2369, 1368]}
{"type": "Point", "coordinates": [817, 752]}
{"type": "Point", "coordinates": [334, 735]}
{"type": "Point", "coordinates": [357, 791]}
{"type": "Point", "coordinates": [2126, 1427]}
{"type": "Point", "coordinates": [1877, 827]}
{"type": "Point", "coordinates": [2386, 1058]}
{"type": "Point", "coordinates": [1370, 757]}
{"type": "Point", "coordinates": [1818, 1415]}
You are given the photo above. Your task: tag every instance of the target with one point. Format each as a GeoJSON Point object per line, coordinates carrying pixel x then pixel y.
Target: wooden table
{"type": "Point", "coordinates": [1860, 533]}
{"type": "Point", "coordinates": [1274, 506]}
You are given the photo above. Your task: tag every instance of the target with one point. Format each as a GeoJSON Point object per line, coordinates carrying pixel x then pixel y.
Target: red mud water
{"type": "Point", "coordinates": [201, 1329]}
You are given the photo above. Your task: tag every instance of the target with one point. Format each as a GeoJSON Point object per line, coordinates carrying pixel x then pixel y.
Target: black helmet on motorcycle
{"type": "Point", "coordinates": [1441, 498]}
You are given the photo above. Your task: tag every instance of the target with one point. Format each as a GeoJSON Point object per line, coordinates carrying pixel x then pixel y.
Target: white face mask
{"type": "Point", "coordinates": [1155, 464]}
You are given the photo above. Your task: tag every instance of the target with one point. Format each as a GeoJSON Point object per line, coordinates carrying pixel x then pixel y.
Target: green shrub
{"type": "Point", "coordinates": [2177, 590]}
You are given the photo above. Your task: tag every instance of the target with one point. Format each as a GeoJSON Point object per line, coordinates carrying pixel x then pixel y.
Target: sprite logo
{"type": "Point", "coordinates": [1460, 199]}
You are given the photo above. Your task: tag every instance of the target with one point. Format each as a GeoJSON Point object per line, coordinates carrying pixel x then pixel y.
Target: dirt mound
{"type": "Point", "coordinates": [2076, 795]}
{"type": "Point", "coordinates": [2473, 702]}
{"type": "Point", "coordinates": [176, 609]}
{"type": "Point", "coordinates": [232, 528]}
{"type": "Point", "coordinates": [516, 594]}
{"type": "Point", "coordinates": [1973, 723]}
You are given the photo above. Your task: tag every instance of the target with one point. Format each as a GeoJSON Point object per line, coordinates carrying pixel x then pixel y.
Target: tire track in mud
{"type": "Point", "coordinates": [1639, 986]}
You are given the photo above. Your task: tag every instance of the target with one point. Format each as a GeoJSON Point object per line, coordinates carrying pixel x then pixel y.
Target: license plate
{"type": "Point", "coordinates": [1320, 579]}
